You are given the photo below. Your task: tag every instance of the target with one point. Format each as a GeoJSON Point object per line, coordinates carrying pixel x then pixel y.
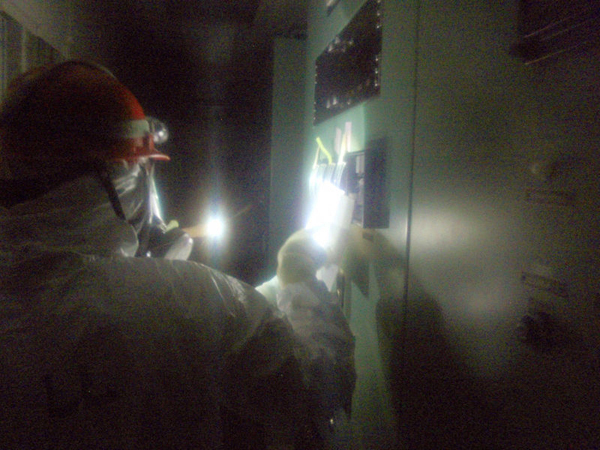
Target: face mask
{"type": "Point", "coordinates": [135, 188]}
{"type": "Point", "coordinates": [131, 183]}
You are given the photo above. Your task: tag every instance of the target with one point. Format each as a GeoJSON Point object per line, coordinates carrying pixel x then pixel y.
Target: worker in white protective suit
{"type": "Point", "coordinates": [327, 352]}
{"type": "Point", "coordinates": [101, 349]}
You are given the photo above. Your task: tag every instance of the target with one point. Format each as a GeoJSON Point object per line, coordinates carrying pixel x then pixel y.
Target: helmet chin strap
{"type": "Point", "coordinates": [102, 171]}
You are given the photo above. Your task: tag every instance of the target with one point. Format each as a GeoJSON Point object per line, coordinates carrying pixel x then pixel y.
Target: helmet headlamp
{"type": "Point", "coordinates": [158, 130]}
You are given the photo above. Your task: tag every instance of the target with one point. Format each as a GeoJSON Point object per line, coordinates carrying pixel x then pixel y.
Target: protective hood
{"type": "Point", "coordinates": [75, 216]}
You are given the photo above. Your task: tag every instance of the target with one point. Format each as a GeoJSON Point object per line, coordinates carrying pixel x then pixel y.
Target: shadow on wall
{"type": "Point", "coordinates": [438, 402]}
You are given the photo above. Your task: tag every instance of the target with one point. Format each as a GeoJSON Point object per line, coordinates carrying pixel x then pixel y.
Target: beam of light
{"type": "Point", "coordinates": [215, 228]}
{"type": "Point", "coordinates": [332, 211]}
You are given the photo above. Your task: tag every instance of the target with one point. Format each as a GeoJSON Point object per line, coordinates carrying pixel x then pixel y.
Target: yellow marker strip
{"type": "Point", "coordinates": [316, 158]}
{"type": "Point", "coordinates": [324, 150]}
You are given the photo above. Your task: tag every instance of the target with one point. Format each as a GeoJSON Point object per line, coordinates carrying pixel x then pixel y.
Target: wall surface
{"type": "Point", "coordinates": [289, 60]}
{"type": "Point", "coordinates": [50, 20]}
{"type": "Point", "coordinates": [494, 216]}
{"type": "Point", "coordinates": [75, 28]}
{"type": "Point", "coordinates": [489, 238]}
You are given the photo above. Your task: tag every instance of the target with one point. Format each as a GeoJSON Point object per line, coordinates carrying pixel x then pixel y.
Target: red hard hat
{"type": "Point", "coordinates": [74, 111]}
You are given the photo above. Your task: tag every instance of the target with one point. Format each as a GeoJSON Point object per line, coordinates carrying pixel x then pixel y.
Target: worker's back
{"type": "Point", "coordinates": [109, 351]}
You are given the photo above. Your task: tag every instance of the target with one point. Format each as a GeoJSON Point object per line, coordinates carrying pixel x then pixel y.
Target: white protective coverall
{"type": "Point", "coordinates": [327, 351]}
{"type": "Point", "coordinates": [102, 350]}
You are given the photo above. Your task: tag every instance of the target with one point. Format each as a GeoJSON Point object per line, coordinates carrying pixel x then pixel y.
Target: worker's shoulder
{"type": "Point", "coordinates": [159, 273]}
{"type": "Point", "coordinates": [158, 281]}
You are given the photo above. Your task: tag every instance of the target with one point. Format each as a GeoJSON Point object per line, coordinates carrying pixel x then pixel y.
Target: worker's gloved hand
{"type": "Point", "coordinates": [299, 258]}
{"type": "Point", "coordinates": [169, 242]}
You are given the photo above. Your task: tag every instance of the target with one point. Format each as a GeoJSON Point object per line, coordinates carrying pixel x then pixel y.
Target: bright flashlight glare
{"type": "Point", "coordinates": [331, 211]}
{"type": "Point", "coordinates": [323, 237]}
{"type": "Point", "coordinates": [215, 228]}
